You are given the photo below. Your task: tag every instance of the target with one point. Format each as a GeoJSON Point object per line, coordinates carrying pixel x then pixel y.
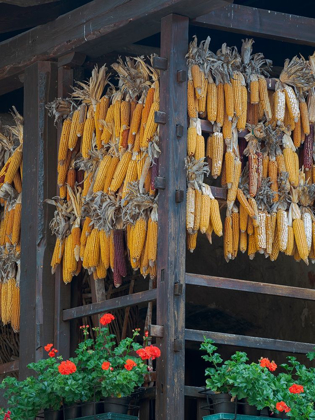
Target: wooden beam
{"type": "Point", "coordinates": [261, 23]}
{"type": "Point", "coordinates": [95, 28]}
{"type": "Point", "coordinates": [28, 3]}
{"type": "Point", "coordinates": [110, 305]}
{"type": "Point", "coordinates": [9, 367]}
{"type": "Point", "coordinates": [250, 286]}
{"type": "Point", "coordinates": [250, 342]}
{"type": "Point", "coordinates": [37, 243]}
{"type": "Point", "coordinates": [172, 236]}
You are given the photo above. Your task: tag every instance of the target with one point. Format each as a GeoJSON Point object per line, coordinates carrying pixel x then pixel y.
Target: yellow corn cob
{"type": "Point", "coordinates": [9, 227]}
{"type": "Point", "coordinates": [87, 136]}
{"type": "Point", "coordinates": [236, 231]}
{"type": "Point", "coordinates": [212, 102]}
{"type": "Point", "coordinates": [150, 127]}
{"type": "Point", "coordinates": [191, 140]}
{"type": "Point", "coordinates": [228, 239]}
{"type": "Point", "coordinates": [229, 162]}
{"type": "Point", "coordinates": [200, 151]}
{"type": "Point", "coordinates": [217, 154]}
{"type": "Point", "coordinates": [221, 105]}
{"type": "Point", "coordinates": [15, 162]}
{"type": "Point", "coordinates": [120, 172]}
{"type": "Point", "coordinates": [232, 192]}
{"type": "Point", "coordinates": [297, 169]}
{"type": "Point", "coordinates": [73, 137]}
{"type": "Point", "coordinates": [197, 215]}
{"type": "Point", "coordinates": [269, 234]}
{"type": "Point", "coordinates": [76, 239]}
{"type": "Point", "coordinates": [152, 241]}
{"type": "Point", "coordinates": [140, 163]}
{"type": "Point", "coordinates": [227, 128]}
{"type": "Point", "coordinates": [300, 239]}
{"type": "Point", "coordinates": [250, 227]}
{"type": "Point", "coordinates": [17, 182]}
{"type": "Point", "coordinates": [117, 106]}
{"type": "Point", "coordinates": [215, 217]}
{"type": "Point", "coordinates": [110, 173]}
{"type": "Point", "coordinates": [253, 204]}
{"type": "Point", "coordinates": [290, 244]}
{"type": "Point", "coordinates": [202, 101]}
{"type": "Point", "coordinates": [101, 173]}
{"type": "Point", "coordinates": [290, 164]}
{"type": "Point", "coordinates": [94, 252]}
{"type": "Point", "coordinates": [111, 250]}
{"type": "Point", "coordinates": [197, 78]}
{"type": "Point", "coordinates": [245, 203]}
{"type": "Point", "coordinates": [191, 103]}
{"type": "Point", "coordinates": [103, 109]}
{"type": "Point", "coordinates": [16, 224]}
{"type": "Point", "coordinates": [252, 247]}
{"type": "Point", "coordinates": [205, 213]}
{"type": "Point", "coordinates": [81, 121]}
{"type": "Point", "coordinates": [209, 147]}
{"type": "Point", "coordinates": [265, 165]}
{"type": "Point", "coordinates": [264, 97]}
{"type": "Point", "coordinates": [280, 163]}
{"type": "Point", "coordinates": [192, 241]}
{"type": "Point", "coordinates": [104, 248]}
{"type": "Point", "coordinates": [15, 315]}
{"type": "Point", "coordinates": [237, 81]}
{"type": "Point", "coordinates": [297, 133]}
{"type": "Point", "coordinates": [304, 117]}
{"type": "Point", "coordinates": [87, 183]}
{"type": "Point", "coordinates": [292, 103]}
{"type": "Point", "coordinates": [241, 122]}
{"type": "Point", "coordinates": [139, 235]}
{"type": "Point", "coordinates": [275, 249]}
{"type": "Point", "coordinates": [229, 100]}
{"type": "Point", "coordinates": [69, 258]}
{"type": "Point", "coordinates": [243, 242]}
{"type": "Point", "coordinates": [190, 209]}
{"type": "Point", "coordinates": [254, 90]}
{"type": "Point", "coordinates": [64, 140]}
{"type": "Point", "coordinates": [86, 230]}
{"type": "Point", "coordinates": [131, 176]}
{"type": "Point", "coordinates": [243, 219]}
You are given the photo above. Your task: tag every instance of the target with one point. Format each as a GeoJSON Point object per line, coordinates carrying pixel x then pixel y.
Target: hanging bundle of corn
{"type": "Point", "coordinates": [11, 146]}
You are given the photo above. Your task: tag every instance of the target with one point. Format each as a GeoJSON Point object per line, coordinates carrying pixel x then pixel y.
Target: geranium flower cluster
{"type": "Point", "coordinates": [7, 416]}
{"type": "Point", "coordinates": [265, 362]}
{"type": "Point", "coordinates": [51, 350]}
{"type": "Point", "coordinates": [149, 352]}
{"type": "Point", "coordinates": [67, 367]}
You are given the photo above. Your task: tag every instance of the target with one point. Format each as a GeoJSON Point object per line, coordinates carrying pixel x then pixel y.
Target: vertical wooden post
{"type": "Point", "coordinates": [62, 291]}
{"type": "Point", "coordinates": [39, 183]}
{"type": "Point", "coordinates": [172, 235]}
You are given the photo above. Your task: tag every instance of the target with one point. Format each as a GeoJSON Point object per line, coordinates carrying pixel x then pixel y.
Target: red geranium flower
{"type": "Point", "coordinates": [105, 365]}
{"type": "Point", "coordinates": [67, 367]}
{"type": "Point", "coordinates": [130, 364]}
{"type": "Point", "coordinates": [296, 389]}
{"type": "Point", "coordinates": [51, 353]}
{"type": "Point", "coordinates": [107, 319]}
{"type": "Point", "coordinates": [281, 406]}
{"type": "Point", "coordinates": [143, 354]}
{"type": "Point", "coordinates": [272, 367]}
{"type": "Point", "coordinates": [153, 351]}
{"type": "Point", "coordinates": [48, 347]}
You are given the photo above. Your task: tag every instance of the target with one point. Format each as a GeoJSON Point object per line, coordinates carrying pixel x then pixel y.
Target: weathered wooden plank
{"type": "Point", "coordinates": [194, 392]}
{"type": "Point", "coordinates": [117, 22]}
{"type": "Point", "coordinates": [9, 367]}
{"type": "Point", "coordinates": [172, 235]}
{"type": "Point", "coordinates": [250, 286]}
{"type": "Point", "coordinates": [250, 342]}
{"type": "Point", "coordinates": [110, 305]}
{"type": "Point", "coordinates": [39, 182]}
{"type": "Point", "coordinates": [260, 23]}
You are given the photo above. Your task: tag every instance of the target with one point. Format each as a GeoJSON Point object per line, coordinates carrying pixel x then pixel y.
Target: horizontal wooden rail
{"type": "Point", "coordinates": [250, 286]}
{"type": "Point", "coordinates": [109, 305]}
{"type": "Point", "coordinates": [262, 23]}
{"type": "Point", "coordinates": [9, 367]}
{"type": "Point", "coordinates": [250, 342]}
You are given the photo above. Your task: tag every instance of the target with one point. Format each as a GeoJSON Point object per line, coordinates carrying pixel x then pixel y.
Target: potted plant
{"type": "Point", "coordinates": [101, 369]}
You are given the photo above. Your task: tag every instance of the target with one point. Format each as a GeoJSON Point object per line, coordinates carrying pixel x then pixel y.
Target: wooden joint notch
{"type": "Point", "coordinates": [178, 345]}
{"type": "Point", "coordinates": [160, 183]}
{"type": "Point", "coordinates": [160, 117]}
{"type": "Point", "coordinates": [179, 130]}
{"type": "Point", "coordinates": [181, 76]}
{"type": "Point", "coordinates": [73, 59]}
{"type": "Point", "coordinates": [179, 198]}
{"type": "Point", "coordinates": [156, 331]}
{"type": "Point", "coordinates": [160, 63]}
{"type": "Point", "coordinates": [178, 289]}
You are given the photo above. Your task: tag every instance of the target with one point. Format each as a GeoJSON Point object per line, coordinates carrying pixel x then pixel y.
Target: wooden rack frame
{"type": "Point", "coordinates": [101, 27]}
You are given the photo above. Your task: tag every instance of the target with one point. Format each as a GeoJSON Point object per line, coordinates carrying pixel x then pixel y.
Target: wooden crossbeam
{"type": "Point", "coordinates": [260, 23]}
{"type": "Point", "coordinates": [250, 286]}
{"type": "Point", "coordinates": [250, 342]}
{"type": "Point", "coordinates": [110, 305]}
{"type": "Point", "coordinates": [9, 367]}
